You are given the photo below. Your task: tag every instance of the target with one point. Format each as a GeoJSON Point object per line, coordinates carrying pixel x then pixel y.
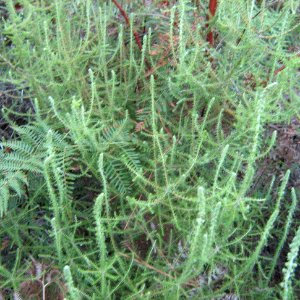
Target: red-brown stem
{"type": "Point", "coordinates": [279, 70]}
{"type": "Point", "coordinates": [213, 4]}
{"type": "Point", "coordinates": [282, 67]}
{"type": "Point", "coordinates": [124, 14]}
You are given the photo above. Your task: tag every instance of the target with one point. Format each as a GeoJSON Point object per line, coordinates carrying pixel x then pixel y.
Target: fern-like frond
{"type": "Point", "coordinates": [13, 183]}
{"type": "Point", "coordinates": [117, 176]}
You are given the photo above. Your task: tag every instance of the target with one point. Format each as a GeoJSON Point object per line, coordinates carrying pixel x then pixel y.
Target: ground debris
{"type": "Point", "coordinates": [284, 155]}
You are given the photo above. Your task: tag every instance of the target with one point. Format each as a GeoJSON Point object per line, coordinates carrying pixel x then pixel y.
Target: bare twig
{"type": "Point", "coordinates": [124, 14]}
{"type": "Point", "coordinates": [146, 265]}
{"type": "Point", "coordinates": [138, 260]}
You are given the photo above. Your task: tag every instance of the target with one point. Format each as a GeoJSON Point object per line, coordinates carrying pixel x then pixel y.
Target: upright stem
{"type": "Point", "coordinates": [213, 4]}
{"type": "Point", "coordinates": [124, 14]}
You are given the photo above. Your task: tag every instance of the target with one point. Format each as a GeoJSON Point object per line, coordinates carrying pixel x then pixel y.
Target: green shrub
{"type": "Point", "coordinates": [140, 163]}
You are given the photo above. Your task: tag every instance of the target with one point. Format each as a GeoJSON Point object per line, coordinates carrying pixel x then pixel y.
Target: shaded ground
{"type": "Point", "coordinates": [14, 104]}
{"type": "Point", "coordinates": [284, 155]}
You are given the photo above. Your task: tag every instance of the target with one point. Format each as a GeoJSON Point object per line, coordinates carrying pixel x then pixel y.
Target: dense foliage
{"type": "Point", "coordinates": [132, 172]}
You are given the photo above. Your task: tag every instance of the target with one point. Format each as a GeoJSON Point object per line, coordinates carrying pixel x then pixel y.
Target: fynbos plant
{"type": "Point", "coordinates": [136, 174]}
